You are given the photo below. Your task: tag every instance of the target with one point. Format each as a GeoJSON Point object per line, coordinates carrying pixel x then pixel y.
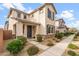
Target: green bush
{"type": "Point", "coordinates": [59, 35]}
{"type": "Point", "coordinates": [72, 53]}
{"type": "Point", "coordinates": [50, 44]}
{"type": "Point", "coordinates": [72, 46]}
{"type": "Point", "coordinates": [39, 38]}
{"type": "Point", "coordinates": [23, 39]}
{"type": "Point", "coordinates": [32, 50]}
{"type": "Point", "coordinates": [68, 33]}
{"type": "Point", "coordinates": [14, 47]}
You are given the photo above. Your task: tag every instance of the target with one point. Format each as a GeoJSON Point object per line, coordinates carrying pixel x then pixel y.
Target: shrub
{"type": "Point", "coordinates": [72, 46]}
{"type": "Point", "coordinates": [23, 39]}
{"type": "Point", "coordinates": [77, 34]}
{"type": "Point", "coordinates": [32, 50]}
{"type": "Point", "coordinates": [50, 44]}
{"type": "Point", "coordinates": [68, 33]}
{"type": "Point", "coordinates": [72, 53]}
{"type": "Point", "coordinates": [39, 38]}
{"type": "Point", "coordinates": [59, 35]}
{"type": "Point", "coordinates": [14, 47]}
{"type": "Point", "coordinates": [57, 40]}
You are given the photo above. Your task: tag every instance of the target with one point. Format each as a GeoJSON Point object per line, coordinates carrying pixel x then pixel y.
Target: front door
{"type": "Point", "coordinates": [29, 31]}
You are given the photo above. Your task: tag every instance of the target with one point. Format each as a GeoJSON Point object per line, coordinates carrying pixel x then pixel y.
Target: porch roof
{"type": "Point", "coordinates": [25, 21]}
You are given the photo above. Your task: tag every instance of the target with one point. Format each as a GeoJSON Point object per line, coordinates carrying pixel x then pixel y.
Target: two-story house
{"type": "Point", "coordinates": [60, 26]}
{"type": "Point", "coordinates": [39, 21]}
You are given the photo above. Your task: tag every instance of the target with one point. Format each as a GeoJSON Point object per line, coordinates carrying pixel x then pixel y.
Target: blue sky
{"type": "Point", "coordinates": [68, 11]}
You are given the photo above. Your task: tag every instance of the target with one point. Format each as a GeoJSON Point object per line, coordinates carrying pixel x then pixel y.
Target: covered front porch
{"type": "Point", "coordinates": [27, 29]}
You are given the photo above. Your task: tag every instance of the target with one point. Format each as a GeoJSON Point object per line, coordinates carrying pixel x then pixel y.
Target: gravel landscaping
{"type": "Point", "coordinates": [73, 47]}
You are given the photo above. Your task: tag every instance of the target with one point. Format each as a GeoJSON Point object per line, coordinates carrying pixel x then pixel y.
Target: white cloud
{"type": "Point", "coordinates": [67, 14]}
{"type": "Point", "coordinates": [19, 6]}
{"type": "Point", "coordinates": [71, 10]}
{"type": "Point", "coordinates": [1, 8]}
{"type": "Point", "coordinates": [14, 5]}
{"type": "Point", "coordinates": [1, 26]}
{"type": "Point", "coordinates": [74, 24]}
{"type": "Point", "coordinates": [8, 5]}
{"type": "Point", "coordinates": [29, 10]}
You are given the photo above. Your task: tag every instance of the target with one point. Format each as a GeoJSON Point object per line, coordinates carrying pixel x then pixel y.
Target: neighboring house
{"type": "Point", "coordinates": [39, 21]}
{"type": "Point", "coordinates": [72, 30]}
{"type": "Point", "coordinates": [60, 26]}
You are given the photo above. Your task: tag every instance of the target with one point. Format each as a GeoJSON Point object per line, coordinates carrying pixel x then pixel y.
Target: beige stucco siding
{"type": "Point", "coordinates": [19, 29]}
{"type": "Point", "coordinates": [40, 18]}
{"type": "Point", "coordinates": [42, 22]}
{"type": "Point", "coordinates": [49, 21]}
{"type": "Point", "coordinates": [11, 23]}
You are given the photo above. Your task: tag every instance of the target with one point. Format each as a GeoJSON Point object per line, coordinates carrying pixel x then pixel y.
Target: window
{"type": "Point", "coordinates": [24, 16]}
{"type": "Point", "coordinates": [18, 15]}
{"type": "Point", "coordinates": [53, 16]}
{"type": "Point", "coordinates": [14, 28]}
{"type": "Point", "coordinates": [50, 29]}
{"type": "Point", "coordinates": [23, 28]}
{"type": "Point", "coordinates": [32, 15]}
{"type": "Point", "coordinates": [49, 13]}
{"type": "Point", "coordinates": [40, 11]}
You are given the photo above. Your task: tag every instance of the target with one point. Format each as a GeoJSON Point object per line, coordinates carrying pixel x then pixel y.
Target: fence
{"type": "Point", "coordinates": [4, 35]}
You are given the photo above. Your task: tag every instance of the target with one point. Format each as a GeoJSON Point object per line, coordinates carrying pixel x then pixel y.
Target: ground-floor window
{"type": "Point", "coordinates": [23, 28]}
{"type": "Point", "coordinates": [50, 29]}
{"type": "Point", "coordinates": [14, 28]}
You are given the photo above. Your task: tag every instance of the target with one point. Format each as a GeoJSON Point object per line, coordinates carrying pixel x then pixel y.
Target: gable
{"type": "Point", "coordinates": [52, 8]}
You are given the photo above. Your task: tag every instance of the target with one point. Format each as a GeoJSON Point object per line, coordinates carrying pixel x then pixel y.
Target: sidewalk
{"type": "Point", "coordinates": [43, 47]}
{"type": "Point", "coordinates": [58, 49]}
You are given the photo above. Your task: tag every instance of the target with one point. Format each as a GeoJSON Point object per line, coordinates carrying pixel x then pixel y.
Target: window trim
{"type": "Point", "coordinates": [18, 15]}
{"type": "Point", "coordinates": [49, 28]}
{"type": "Point", "coordinates": [49, 13]}
{"type": "Point", "coordinates": [23, 28]}
{"type": "Point", "coordinates": [25, 16]}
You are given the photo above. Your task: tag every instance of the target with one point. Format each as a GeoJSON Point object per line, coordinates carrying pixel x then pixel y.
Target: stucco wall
{"type": "Point", "coordinates": [11, 23]}
{"type": "Point", "coordinates": [40, 18]}
{"type": "Point", "coordinates": [19, 29]}
{"type": "Point", "coordinates": [49, 21]}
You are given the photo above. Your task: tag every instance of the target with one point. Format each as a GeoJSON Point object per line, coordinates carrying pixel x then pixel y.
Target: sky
{"type": "Point", "coordinates": [68, 11]}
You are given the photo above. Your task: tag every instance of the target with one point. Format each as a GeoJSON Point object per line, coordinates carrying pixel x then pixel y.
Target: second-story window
{"type": "Point", "coordinates": [32, 15]}
{"type": "Point", "coordinates": [53, 16]}
{"type": "Point", "coordinates": [24, 16]}
{"type": "Point", "coordinates": [18, 15]}
{"type": "Point", "coordinates": [40, 11]}
{"type": "Point", "coordinates": [49, 13]}
{"type": "Point", "coordinates": [23, 28]}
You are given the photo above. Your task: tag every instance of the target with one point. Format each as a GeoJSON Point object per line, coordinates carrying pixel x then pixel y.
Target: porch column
{"type": "Point", "coordinates": [37, 29]}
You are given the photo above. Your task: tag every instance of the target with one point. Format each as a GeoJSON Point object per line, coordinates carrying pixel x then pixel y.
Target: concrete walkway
{"type": "Point", "coordinates": [43, 47]}
{"type": "Point", "coordinates": [58, 49]}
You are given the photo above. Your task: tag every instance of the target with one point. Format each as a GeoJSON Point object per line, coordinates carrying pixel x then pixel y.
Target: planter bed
{"type": "Point", "coordinates": [23, 52]}
{"type": "Point", "coordinates": [73, 48]}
